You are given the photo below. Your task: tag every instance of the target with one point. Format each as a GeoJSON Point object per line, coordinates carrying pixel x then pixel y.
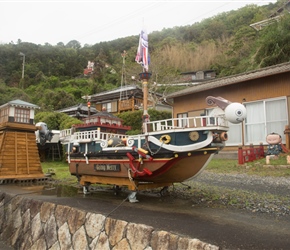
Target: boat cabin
{"type": "Point", "coordinates": [105, 122]}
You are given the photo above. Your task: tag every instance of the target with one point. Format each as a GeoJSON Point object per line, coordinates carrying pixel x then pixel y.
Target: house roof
{"type": "Point", "coordinates": [117, 90]}
{"type": "Point", "coordinates": [115, 94]}
{"type": "Point", "coordinates": [80, 106]}
{"type": "Point", "coordinates": [225, 81]}
{"type": "Point", "coordinates": [21, 104]}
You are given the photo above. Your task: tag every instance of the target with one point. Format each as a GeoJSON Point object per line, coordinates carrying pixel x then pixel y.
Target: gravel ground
{"type": "Point", "coordinates": [268, 195]}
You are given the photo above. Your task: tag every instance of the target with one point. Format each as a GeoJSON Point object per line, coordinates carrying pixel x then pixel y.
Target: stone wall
{"type": "Point", "coordinates": [32, 224]}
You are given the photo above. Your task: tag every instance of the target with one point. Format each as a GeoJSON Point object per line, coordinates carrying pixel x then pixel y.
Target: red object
{"type": "Point", "coordinates": [89, 104]}
{"type": "Point", "coordinates": [250, 154]}
{"type": "Point", "coordinates": [135, 171]}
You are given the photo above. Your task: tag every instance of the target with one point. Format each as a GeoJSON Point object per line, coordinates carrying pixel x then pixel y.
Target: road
{"type": "Point", "coordinates": [226, 228]}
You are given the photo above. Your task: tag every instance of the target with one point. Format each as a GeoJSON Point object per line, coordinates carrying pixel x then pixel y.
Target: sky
{"type": "Point", "coordinates": [94, 21]}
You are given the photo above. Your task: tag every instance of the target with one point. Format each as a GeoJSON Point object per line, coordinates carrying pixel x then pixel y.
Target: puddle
{"type": "Point", "coordinates": [61, 191]}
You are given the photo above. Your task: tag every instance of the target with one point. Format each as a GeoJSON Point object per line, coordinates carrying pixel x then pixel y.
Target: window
{"type": "Point", "coordinates": [22, 115]}
{"type": "Point", "coordinates": [265, 117]}
{"type": "Point", "coordinates": [110, 106]}
{"type": "Point", "coordinates": [182, 120]}
{"type": "Point", "coordinates": [107, 107]}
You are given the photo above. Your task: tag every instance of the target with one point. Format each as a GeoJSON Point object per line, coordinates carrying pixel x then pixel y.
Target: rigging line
{"type": "Point", "coordinates": [205, 13]}
{"type": "Point", "coordinates": [226, 3]}
{"type": "Point", "coordinates": [120, 19]}
{"type": "Point", "coordinates": [107, 216]}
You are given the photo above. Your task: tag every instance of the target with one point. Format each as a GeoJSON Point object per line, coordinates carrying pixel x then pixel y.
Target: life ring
{"type": "Point", "coordinates": [165, 139]}
{"type": "Point", "coordinates": [224, 136]}
{"type": "Point", "coordinates": [194, 135]}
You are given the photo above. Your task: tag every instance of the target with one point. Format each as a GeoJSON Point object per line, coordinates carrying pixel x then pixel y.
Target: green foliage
{"type": "Point", "coordinates": [134, 118]}
{"type": "Point", "coordinates": [274, 47]}
{"type": "Point", "coordinates": [56, 120]}
{"type": "Point", "coordinates": [12, 93]}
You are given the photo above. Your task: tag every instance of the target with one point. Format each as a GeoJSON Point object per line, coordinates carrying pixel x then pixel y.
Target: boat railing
{"type": "Point", "coordinates": [68, 135]}
{"type": "Point", "coordinates": [187, 122]}
{"type": "Point", "coordinates": [91, 135]}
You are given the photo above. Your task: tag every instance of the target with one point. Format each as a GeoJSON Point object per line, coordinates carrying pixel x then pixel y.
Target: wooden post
{"type": "Point", "coordinates": [240, 155]}
{"type": "Point", "coordinates": [287, 132]}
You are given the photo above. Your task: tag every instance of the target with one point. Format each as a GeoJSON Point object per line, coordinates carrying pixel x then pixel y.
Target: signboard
{"type": "Point", "coordinates": [107, 167]}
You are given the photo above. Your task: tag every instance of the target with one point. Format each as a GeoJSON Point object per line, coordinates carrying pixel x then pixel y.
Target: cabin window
{"type": "Point", "coordinates": [182, 120]}
{"type": "Point", "coordinates": [22, 115]}
{"type": "Point", "coordinates": [265, 117]}
{"type": "Point", "coordinates": [4, 114]}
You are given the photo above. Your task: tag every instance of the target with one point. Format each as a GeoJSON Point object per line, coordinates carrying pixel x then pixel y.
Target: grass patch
{"type": "Point", "coordinates": [59, 168]}
{"type": "Point", "coordinates": [258, 167]}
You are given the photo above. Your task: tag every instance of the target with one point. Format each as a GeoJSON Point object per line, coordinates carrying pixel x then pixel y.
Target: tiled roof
{"type": "Point", "coordinates": [81, 106]}
{"type": "Point", "coordinates": [225, 81]}
{"type": "Point", "coordinates": [117, 90]}
{"type": "Point", "coordinates": [20, 103]}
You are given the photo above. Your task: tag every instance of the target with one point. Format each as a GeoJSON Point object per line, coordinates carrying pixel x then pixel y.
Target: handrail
{"type": "Point", "coordinates": [92, 135]}
{"type": "Point", "coordinates": [187, 122]}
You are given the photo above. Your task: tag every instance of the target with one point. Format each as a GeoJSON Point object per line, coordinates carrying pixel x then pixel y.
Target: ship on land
{"type": "Point", "coordinates": [166, 152]}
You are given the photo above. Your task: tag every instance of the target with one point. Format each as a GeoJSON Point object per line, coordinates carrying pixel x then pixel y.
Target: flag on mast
{"type": "Point", "coordinates": [142, 56]}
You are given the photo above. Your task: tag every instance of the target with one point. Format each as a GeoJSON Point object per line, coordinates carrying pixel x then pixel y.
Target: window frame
{"type": "Point", "coordinates": [21, 115]}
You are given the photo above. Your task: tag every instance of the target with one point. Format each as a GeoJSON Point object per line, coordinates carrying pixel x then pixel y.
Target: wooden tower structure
{"type": "Point", "coordinates": [19, 157]}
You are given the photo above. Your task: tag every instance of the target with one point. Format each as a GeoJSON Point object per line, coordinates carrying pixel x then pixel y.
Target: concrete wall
{"type": "Point", "coordinates": [33, 224]}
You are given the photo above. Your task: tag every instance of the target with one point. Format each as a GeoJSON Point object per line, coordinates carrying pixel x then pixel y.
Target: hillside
{"type": "Point", "coordinates": [53, 77]}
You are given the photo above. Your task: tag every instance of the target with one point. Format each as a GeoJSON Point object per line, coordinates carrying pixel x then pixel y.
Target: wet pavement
{"type": "Point", "coordinates": [226, 228]}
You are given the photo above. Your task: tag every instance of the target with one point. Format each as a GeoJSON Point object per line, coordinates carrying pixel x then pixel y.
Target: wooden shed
{"type": "Point", "coordinates": [19, 157]}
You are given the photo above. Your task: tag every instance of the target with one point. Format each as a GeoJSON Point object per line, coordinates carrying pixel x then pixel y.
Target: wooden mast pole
{"type": "Point", "coordinates": [146, 118]}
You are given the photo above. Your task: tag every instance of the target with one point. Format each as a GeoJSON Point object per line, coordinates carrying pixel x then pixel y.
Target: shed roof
{"type": "Point", "coordinates": [225, 81]}
{"type": "Point", "coordinates": [21, 104]}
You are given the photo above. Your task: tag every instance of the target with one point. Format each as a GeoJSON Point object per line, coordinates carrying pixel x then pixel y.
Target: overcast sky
{"type": "Point", "coordinates": [91, 22]}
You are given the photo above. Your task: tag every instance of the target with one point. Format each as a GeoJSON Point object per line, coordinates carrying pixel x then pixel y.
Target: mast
{"type": "Point", "coordinates": [124, 54]}
{"type": "Point", "coordinates": [145, 76]}
{"type": "Point", "coordinates": [143, 58]}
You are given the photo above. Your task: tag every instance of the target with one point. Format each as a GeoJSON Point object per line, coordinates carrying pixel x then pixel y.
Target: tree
{"type": "Point", "coordinates": [274, 43]}
{"type": "Point", "coordinates": [56, 120]}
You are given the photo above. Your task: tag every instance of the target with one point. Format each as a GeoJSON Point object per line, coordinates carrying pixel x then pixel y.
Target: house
{"type": "Point", "coordinates": [264, 92]}
{"type": "Point", "coordinates": [126, 98]}
{"type": "Point", "coordinates": [198, 76]}
{"type": "Point", "coordinates": [79, 111]}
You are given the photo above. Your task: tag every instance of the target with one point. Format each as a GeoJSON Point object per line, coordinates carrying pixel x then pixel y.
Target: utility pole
{"type": "Point", "coordinates": [23, 63]}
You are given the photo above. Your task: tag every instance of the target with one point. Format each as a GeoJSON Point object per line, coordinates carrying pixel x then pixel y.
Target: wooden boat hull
{"type": "Point", "coordinates": [150, 173]}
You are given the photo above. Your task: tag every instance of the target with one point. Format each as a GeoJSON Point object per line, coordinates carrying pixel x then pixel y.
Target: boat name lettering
{"type": "Point", "coordinates": [107, 167]}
